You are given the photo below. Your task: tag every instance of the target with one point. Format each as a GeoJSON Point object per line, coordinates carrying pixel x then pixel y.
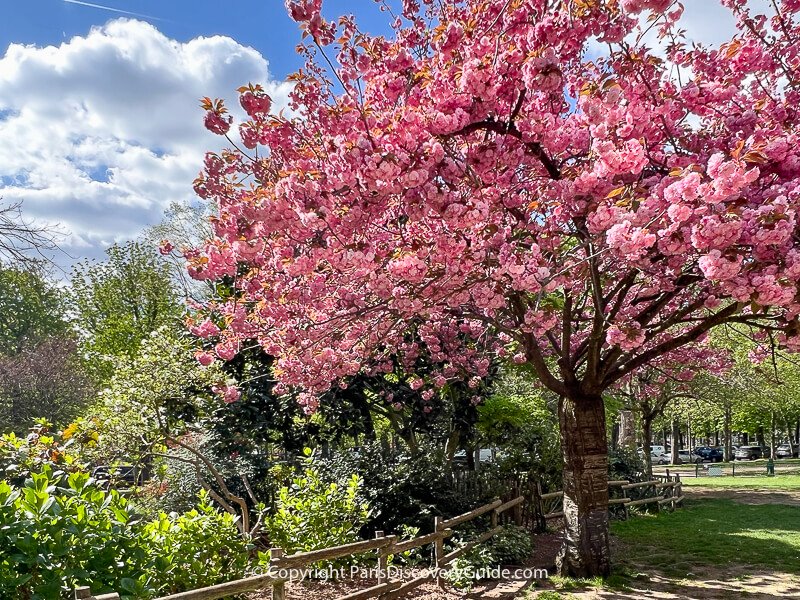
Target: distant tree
{"type": "Point", "coordinates": [185, 225]}
{"type": "Point", "coordinates": [30, 307]}
{"type": "Point", "coordinates": [43, 379]}
{"type": "Point", "coordinates": [118, 303]}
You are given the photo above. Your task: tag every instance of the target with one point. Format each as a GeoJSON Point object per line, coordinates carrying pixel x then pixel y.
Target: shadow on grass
{"type": "Point", "coordinates": [709, 549]}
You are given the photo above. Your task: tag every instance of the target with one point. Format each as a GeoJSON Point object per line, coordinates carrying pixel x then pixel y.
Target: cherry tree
{"type": "Point", "coordinates": [565, 183]}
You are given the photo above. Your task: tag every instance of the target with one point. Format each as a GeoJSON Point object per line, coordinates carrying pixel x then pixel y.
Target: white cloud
{"type": "Point", "coordinates": [100, 134]}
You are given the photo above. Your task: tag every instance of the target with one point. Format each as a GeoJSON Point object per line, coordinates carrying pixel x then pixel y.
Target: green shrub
{"type": "Point", "coordinates": [625, 463]}
{"type": "Point", "coordinates": [42, 447]}
{"type": "Point", "coordinates": [310, 513]}
{"type": "Point", "coordinates": [466, 569]}
{"type": "Point", "coordinates": [52, 539]}
{"type": "Point", "coordinates": [404, 489]}
{"type": "Point", "coordinates": [59, 532]}
{"type": "Point", "coordinates": [199, 548]}
{"type": "Point", "coordinates": [512, 545]}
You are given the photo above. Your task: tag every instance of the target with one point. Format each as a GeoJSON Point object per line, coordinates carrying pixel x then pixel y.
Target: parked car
{"type": "Point", "coordinates": [708, 454]}
{"type": "Point", "coordinates": [786, 451]}
{"type": "Point", "coordinates": [487, 455]}
{"type": "Point", "coordinates": [657, 455]}
{"type": "Point", "coordinates": [121, 475]}
{"type": "Point", "coordinates": [654, 449]}
{"type": "Point", "coordinates": [685, 457]}
{"type": "Point", "coordinates": [751, 452]}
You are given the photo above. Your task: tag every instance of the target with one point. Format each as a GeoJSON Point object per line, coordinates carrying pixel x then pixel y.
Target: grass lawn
{"type": "Point", "coordinates": [779, 482]}
{"type": "Point", "coordinates": [719, 533]}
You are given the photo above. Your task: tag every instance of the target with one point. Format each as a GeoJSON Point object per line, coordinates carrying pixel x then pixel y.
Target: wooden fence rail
{"type": "Point", "coordinates": [667, 490]}
{"type": "Point", "coordinates": [384, 546]}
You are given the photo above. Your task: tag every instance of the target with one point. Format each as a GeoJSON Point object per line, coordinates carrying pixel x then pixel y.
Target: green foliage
{"type": "Point", "coordinates": [519, 417]}
{"type": "Point", "coordinates": [60, 532]}
{"type": "Point", "coordinates": [162, 388]}
{"type": "Point", "coordinates": [118, 303]}
{"type": "Point", "coordinates": [52, 539]}
{"type": "Point", "coordinates": [311, 513]}
{"type": "Point", "coordinates": [512, 545]}
{"type": "Point", "coordinates": [405, 489]}
{"type": "Point", "coordinates": [31, 308]}
{"type": "Point", "coordinates": [42, 448]}
{"type": "Point", "coordinates": [625, 463]}
{"type": "Point", "coordinates": [467, 568]}
{"type": "Point", "coordinates": [199, 548]}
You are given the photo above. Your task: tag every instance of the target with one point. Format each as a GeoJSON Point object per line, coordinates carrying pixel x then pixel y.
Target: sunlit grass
{"type": "Point", "coordinates": [780, 482]}
{"type": "Point", "coordinates": [715, 533]}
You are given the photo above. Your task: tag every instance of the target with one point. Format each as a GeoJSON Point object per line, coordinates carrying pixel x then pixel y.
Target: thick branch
{"type": "Point", "coordinates": [502, 128]}
{"type": "Point", "coordinates": [618, 371]}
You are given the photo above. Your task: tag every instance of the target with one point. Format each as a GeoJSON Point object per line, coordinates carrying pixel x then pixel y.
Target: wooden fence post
{"type": "Point", "coordinates": [517, 514]}
{"type": "Point", "coordinates": [383, 560]}
{"type": "Point", "coordinates": [540, 523]}
{"type": "Point", "coordinates": [279, 587]}
{"type": "Point", "coordinates": [83, 592]}
{"type": "Point", "coordinates": [438, 549]}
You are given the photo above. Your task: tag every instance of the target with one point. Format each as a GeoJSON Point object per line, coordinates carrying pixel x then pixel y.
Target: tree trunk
{"type": "Point", "coordinates": [727, 451]}
{"type": "Point", "coordinates": [585, 551]}
{"type": "Point", "coordinates": [772, 426]}
{"type": "Point", "coordinates": [627, 428]}
{"type": "Point", "coordinates": [647, 442]}
{"type": "Point", "coordinates": [676, 441]}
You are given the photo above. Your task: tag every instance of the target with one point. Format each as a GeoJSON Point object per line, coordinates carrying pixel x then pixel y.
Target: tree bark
{"type": "Point", "coordinates": [676, 441]}
{"type": "Point", "coordinates": [727, 451]}
{"type": "Point", "coordinates": [647, 442]}
{"type": "Point", "coordinates": [772, 426]}
{"type": "Point", "coordinates": [627, 428]}
{"type": "Point", "coordinates": [585, 550]}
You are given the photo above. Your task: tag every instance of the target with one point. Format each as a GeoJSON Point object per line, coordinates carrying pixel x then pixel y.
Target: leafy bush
{"type": "Point", "coordinates": [42, 447]}
{"type": "Point", "coordinates": [512, 545]}
{"type": "Point", "coordinates": [311, 513]}
{"type": "Point", "coordinates": [467, 568]}
{"type": "Point", "coordinates": [196, 549]}
{"type": "Point", "coordinates": [404, 489]}
{"type": "Point", "coordinates": [52, 539]}
{"type": "Point", "coordinates": [625, 463]}
{"type": "Point", "coordinates": [60, 532]}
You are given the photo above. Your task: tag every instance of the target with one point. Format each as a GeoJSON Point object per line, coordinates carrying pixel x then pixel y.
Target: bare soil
{"type": "Point", "coordinates": [708, 584]}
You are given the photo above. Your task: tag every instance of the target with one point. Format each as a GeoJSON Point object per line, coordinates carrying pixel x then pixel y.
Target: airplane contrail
{"type": "Point", "coordinates": [109, 8]}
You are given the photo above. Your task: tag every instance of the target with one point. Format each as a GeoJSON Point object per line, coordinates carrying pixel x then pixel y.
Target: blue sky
{"type": "Point", "coordinates": [261, 24]}
{"type": "Point", "coordinates": [100, 129]}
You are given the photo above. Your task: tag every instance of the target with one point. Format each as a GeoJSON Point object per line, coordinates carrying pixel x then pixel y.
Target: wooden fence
{"type": "Point", "coordinates": [662, 491]}
{"type": "Point", "coordinates": [383, 546]}
{"type": "Point", "coordinates": [529, 506]}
